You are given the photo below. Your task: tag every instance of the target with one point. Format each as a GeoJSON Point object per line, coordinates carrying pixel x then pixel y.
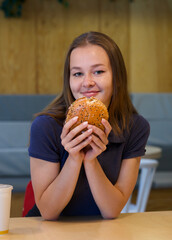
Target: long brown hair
{"type": "Point", "coordinates": [120, 108]}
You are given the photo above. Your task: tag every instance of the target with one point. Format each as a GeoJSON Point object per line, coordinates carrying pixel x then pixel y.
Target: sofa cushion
{"type": "Point", "coordinates": [19, 183]}
{"type": "Point", "coordinates": [14, 162]}
{"type": "Point", "coordinates": [22, 107]}
{"type": "Point", "coordinates": [153, 106]}
{"type": "Point", "coordinates": [16, 114]}
{"type": "Point", "coordinates": [157, 109]}
{"type": "Point", "coordinates": [161, 132]}
{"type": "Point", "coordinates": [14, 134]}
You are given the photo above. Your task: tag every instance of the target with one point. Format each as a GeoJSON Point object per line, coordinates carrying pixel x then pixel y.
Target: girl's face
{"type": "Point", "coordinates": [91, 73]}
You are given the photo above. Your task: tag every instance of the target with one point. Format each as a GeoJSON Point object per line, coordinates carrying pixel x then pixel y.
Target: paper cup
{"type": "Point", "coordinates": [5, 206]}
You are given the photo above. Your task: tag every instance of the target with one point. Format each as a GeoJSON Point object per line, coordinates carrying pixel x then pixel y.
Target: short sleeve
{"type": "Point", "coordinates": [45, 139]}
{"type": "Point", "coordinates": [135, 145]}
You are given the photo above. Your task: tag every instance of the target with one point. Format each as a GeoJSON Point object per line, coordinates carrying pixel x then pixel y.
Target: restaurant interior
{"type": "Point", "coordinates": [34, 39]}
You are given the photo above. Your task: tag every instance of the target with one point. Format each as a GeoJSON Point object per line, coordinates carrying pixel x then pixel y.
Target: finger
{"type": "Point", "coordinates": [101, 134]}
{"type": "Point", "coordinates": [78, 130]}
{"type": "Point", "coordinates": [96, 149]}
{"type": "Point", "coordinates": [80, 146]}
{"type": "Point", "coordinates": [72, 134]}
{"type": "Point", "coordinates": [107, 126]}
{"type": "Point", "coordinates": [67, 126]}
{"type": "Point", "coordinates": [99, 144]}
{"type": "Point", "coordinates": [76, 141]}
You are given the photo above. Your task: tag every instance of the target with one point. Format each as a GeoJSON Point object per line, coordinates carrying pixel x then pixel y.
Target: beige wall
{"type": "Point", "coordinates": [33, 48]}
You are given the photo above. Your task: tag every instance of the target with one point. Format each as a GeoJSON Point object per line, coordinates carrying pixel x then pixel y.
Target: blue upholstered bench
{"type": "Point", "coordinates": [157, 109]}
{"type": "Point", "coordinates": [16, 114]}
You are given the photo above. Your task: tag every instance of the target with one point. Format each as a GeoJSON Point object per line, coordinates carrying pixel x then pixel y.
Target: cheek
{"type": "Point", "coordinates": [111, 83]}
{"type": "Point", "coordinates": [74, 86]}
{"type": "Point", "coordinates": [109, 87]}
{"type": "Point", "coordinates": [108, 83]}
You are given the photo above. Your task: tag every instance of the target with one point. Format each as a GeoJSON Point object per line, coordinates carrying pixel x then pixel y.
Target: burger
{"type": "Point", "coordinates": [88, 109]}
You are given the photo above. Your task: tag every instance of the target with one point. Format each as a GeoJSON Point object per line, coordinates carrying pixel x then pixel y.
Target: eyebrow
{"type": "Point", "coordinates": [93, 66]}
{"type": "Point", "coordinates": [75, 68]}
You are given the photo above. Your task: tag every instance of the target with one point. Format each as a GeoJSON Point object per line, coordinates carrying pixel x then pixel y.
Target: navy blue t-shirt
{"type": "Point", "coordinates": [45, 144]}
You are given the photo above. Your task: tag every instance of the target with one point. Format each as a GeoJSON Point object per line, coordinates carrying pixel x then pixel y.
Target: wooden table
{"type": "Point", "coordinates": [147, 226]}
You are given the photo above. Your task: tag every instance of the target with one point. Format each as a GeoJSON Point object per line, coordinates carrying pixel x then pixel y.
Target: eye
{"type": "Point", "coordinates": [98, 72]}
{"type": "Point", "coordinates": [77, 74]}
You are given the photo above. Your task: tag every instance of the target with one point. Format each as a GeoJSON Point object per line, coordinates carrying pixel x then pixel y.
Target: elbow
{"type": "Point", "coordinates": [47, 212]}
{"type": "Point", "coordinates": [48, 216]}
{"type": "Point", "coordinates": [110, 216]}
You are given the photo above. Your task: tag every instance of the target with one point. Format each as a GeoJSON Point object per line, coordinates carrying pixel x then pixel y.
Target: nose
{"type": "Point", "coordinates": [88, 81]}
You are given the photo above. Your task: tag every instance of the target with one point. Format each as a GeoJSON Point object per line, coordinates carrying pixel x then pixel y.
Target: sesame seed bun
{"type": "Point", "coordinates": [88, 109]}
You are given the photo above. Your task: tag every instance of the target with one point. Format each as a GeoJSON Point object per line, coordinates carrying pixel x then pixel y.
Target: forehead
{"type": "Point", "coordinates": [91, 53]}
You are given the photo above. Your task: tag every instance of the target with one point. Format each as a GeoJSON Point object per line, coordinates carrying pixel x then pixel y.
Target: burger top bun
{"type": "Point", "coordinates": [88, 109]}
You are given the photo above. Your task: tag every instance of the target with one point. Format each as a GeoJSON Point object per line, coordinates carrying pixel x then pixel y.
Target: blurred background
{"type": "Point", "coordinates": [33, 46]}
{"type": "Point", "coordinates": [34, 38]}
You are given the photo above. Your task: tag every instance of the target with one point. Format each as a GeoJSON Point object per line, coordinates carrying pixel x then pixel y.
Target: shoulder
{"type": "Point", "coordinates": [45, 125]}
{"type": "Point", "coordinates": [45, 122]}
{"type": "Point", "coordinates": [45, 142]}
{"type": "Point", "coordinates": [45, 119]}
{"type": "Point", "coordinates": [139, 128]}
{"type": "Point", "coordinates": [137, 137]}
{"type": "Point", "coordinates": [139, 123]}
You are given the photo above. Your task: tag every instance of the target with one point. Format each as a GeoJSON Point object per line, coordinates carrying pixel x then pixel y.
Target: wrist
{"type": "Point", "coordinates": [90, 163]}
{"type": "Point", "coordinates": [75, 160]}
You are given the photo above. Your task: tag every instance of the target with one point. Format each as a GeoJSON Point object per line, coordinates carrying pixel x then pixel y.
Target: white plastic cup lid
{"type": "Point", "coordinates": [5, 187]}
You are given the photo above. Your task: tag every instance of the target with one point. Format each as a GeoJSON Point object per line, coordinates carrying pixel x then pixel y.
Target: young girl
{"type": "Point", "coordinates": [66, 178]}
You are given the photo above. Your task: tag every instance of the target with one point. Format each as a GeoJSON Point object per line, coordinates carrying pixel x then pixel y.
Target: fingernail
{"type": "Point", "coordinates": [85, 123]}
{"type": "Point", "coordinates": [75, 118]}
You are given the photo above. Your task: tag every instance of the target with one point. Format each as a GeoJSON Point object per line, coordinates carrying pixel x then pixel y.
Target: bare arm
{"type": "Point", "coordinates": [53, 188]}
{"type": "Point", "coordinates": [109, 198]}
{"type": "Point", "coordinates": [112, 198]}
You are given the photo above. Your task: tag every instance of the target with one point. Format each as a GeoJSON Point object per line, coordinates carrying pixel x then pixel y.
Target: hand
{"type": "Point", "coordinates": [74, 142]}
{"type": "Point", "coordinates": [99, 141]}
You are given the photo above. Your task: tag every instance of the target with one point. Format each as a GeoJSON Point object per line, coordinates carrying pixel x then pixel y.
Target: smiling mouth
{"type": "Point", "coordinates": [90, 93]}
